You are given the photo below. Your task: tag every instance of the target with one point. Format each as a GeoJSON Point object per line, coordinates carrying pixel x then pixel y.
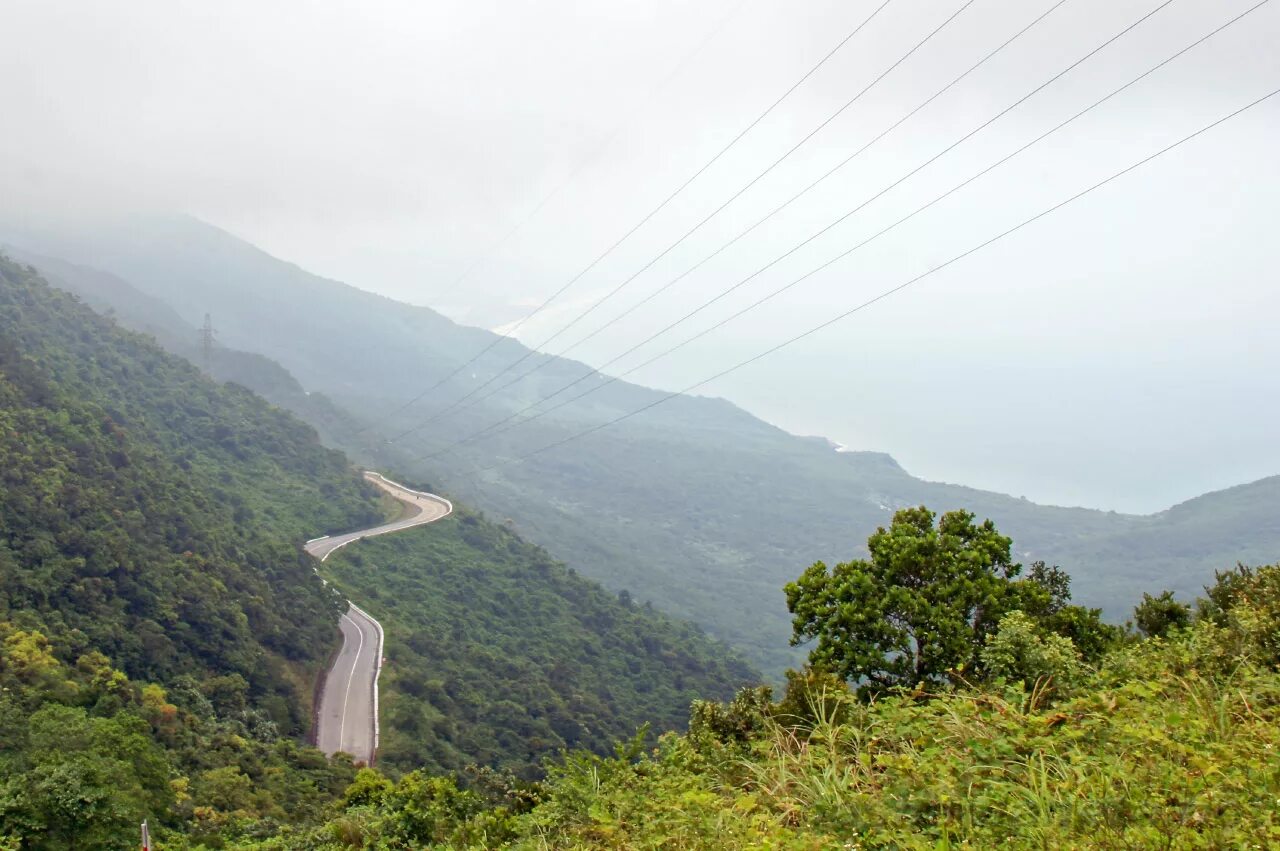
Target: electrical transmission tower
{"type": "Point", "coordinates": [206, 341]}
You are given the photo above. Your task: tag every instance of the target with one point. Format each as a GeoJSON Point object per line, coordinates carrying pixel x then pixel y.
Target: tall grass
{"type": "Point", "coordinates": [1156, 763]}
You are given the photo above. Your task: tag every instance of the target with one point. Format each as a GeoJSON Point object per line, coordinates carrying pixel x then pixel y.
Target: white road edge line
{"type": "Point", "coordinates": [346, 698]}
{"type": "Point", "coordinates": [377, 672]}
{"type": "Point", "coordinates": [394, 526]}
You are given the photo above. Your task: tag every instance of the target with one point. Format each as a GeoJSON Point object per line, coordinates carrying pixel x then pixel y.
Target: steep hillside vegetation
{"type": "Point", "coordinates": [694, 505]}
{"type": "Point", "coordinates": [500, 656]}
{"type": "Point", "coordinates": [1163, 748]}
{"type": "Point", "coordinates": [1031, 725]}
{"type": "Point", "coordinates": [150, 513]}
{"type": "Point", "coordinates": [160, 626]}
{"type": "Point", "coordinates": [137, 311]}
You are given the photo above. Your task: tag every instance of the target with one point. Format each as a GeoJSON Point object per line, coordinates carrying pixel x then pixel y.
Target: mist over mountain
{"type": "Point", "coordinates": [629, 425]}
{"type": "Point", "coordinates": [694, 504]}
{"type": "Point", "coordinates": [1108, 336]}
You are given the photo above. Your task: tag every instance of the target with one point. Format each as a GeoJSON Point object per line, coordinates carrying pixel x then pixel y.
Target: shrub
{"type": "Point", "coordinates": [1157, 616]}
{"type": "Point", "coordinates": [1019, 650]}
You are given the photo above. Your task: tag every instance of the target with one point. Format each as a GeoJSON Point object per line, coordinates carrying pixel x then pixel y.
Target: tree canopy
{"type": "Point", "coordinates": [920, 608]}
{"type": "Point", "coordinates": [161, 629]}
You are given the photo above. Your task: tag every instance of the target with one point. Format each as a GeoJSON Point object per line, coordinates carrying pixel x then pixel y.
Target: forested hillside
{"type": "Point", "coordinates": [150, 513]}
{"type": "Point", "coordinates": [694, 505]}
{"type": "Point", "coordinates": [954, 699]}
{"type": "Point", "coordinates": [501, 656]}
{"type": "Point", "coordinates": [160, 627]}
{"type": "Point", "coordinates": [137, 311]}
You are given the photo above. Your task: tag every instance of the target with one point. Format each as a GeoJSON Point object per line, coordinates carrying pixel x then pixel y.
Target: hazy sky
{"type": "Point", "coordinates": [1121, 353]}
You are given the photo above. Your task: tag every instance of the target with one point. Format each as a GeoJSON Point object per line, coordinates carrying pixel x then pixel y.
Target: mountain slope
{"type": "Point", "coordinates": [151, 512]}
{"type": "Point", "coordinates": [146, 314]}
{"type": "Point", "coordinates": [158, 614]}
{"type": "Point", "coordinates": [159, 627]}
{"type": "Point", "coordinates": [499, 656]}
{"type": "Point", "coordinates": [694, 505]}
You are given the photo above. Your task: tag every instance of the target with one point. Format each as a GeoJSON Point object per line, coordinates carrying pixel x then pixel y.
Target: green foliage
{"type": "Point", "coordinates": [734, 723]}
{"type": "Point", "coordinates": [920, 609]}
{"type": "Point", "coordinates": [1084, 627]}
{"type": "Point", "coordinates": [501, 657]}
{"type": "Point", "coordinates": [1054, 613]}
{"type": "Point", "coordinates": [1156, 616]}
{"type": "Point", "coordinates": [150, 514]}
{"type": "Point", "coordinates": [86, 754]}
{"type": "Point", "coordinates": [1021, 651]}
{"type": "Point", "coordinates": [158, 623]}
{"type": "Point", "coordinates": [811, 694]}
{"type": "Point", "coordinates": [1164, 761]}
{"type": "Point", "coordinates": [1246, 602]}
{"type": "Point", "coordinates": [1170, 744]}
{"type": "Point", "coordinates": [152, 589]}
{"type": "Point", "coordinates": [76, 781]}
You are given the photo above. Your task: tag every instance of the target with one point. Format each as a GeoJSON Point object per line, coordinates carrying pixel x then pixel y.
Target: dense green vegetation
{"type": "Point", "coordinates": [925, 604]}
{"type": "Point", "coordinates": [160, 628]}
{"type": "Point", "coordinates": [502, 657]}
{"type": "Point", "coordinates": [86, 753]}
{"type": "Point", "coordinates": [151, 514]}
{"type": "Point", "coordinates": [1146, 741]}
{"type": "Point", "coordinates": [695, 505]}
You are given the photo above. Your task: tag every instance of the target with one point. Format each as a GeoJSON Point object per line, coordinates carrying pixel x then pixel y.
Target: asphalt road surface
{"type": "Point", "coordinates": [347, 718]}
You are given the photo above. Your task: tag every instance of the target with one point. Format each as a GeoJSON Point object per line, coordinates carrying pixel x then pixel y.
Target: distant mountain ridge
{"type": "Point", "coordinates": [695, 505]}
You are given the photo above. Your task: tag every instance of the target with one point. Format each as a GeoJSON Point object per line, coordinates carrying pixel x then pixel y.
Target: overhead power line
{"type": "Point", "coordinates": [457, 404]}
{"type": "Point", "coordinates": [546, 199]}
{"type": "Point", "coordinates": [662, 205]}
{"type": "Point", "coordinates": [667, 200]}
{"type": "Point", "coordinates": [883, 295]}
{"type": "Point", "coordinates": [741, 235]}
{"type": "Point", "coordinates": [595, 152]}
{"type": "Point", "coordinates": [497, 428]}
{"type": "Point", "coordinates": [821, 179]}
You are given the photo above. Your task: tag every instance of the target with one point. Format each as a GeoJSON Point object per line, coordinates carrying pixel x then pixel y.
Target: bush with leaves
{"type": "Point", "coordinates": [1247, 602]}
{"type": "Point", "coordinates": [1158, 616]}
{"type": "Point", "coordinates": [1021, 651]}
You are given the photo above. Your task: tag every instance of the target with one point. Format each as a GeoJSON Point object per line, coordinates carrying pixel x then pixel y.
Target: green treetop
{"type": "Point", "coordinates": [921, 607]}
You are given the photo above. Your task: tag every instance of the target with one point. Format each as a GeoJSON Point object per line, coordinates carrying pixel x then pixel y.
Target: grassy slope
{"type": "Point", "coordinates": [1163, 758]}
{"type": "Point", "coordinates": [1168, 742]}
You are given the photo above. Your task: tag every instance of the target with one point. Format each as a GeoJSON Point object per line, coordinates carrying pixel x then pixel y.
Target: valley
{"type": "Point", "coordinates": [665, 506]}
{"type": "Point", "coordinates": [155, 596]}
{"type": "Point", "coordinates": [574, 426]}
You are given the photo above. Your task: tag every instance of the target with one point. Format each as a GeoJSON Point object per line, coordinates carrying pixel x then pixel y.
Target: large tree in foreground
{"type": "Point", "coordinates": [920, 607]}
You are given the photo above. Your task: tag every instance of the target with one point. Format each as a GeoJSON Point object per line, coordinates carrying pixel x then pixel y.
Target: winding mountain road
{"type": "Point", "coordinates": [347, 715]}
